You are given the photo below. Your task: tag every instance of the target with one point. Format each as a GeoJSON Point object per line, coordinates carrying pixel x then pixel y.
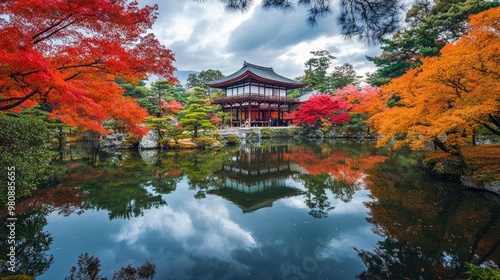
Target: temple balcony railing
{"type": "Point", "coordinates": [254, 97]}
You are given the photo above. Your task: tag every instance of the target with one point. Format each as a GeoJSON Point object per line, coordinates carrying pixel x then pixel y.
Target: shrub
{"type": "Point", "coordinates": [186, 135]}
{"type": "Point", "coordinates": [165, 142]}
{"type": "Point", "coordinates": [295, 131]}
{"type": "Point", "coordinates": [23, 148]}
{"type": "Point", "coordinates": [252, 134]}
{"type": "Point", "coordinates": [204, 142]}
{"type": "Point", "coordinates": [282, 133]}
{"type": "Point", "coordinates": [233, 139]}
{"type": "Point", "coordinates": [130, 141]}
{"type": "Point", "coordinates": [475, 272]}
{"type": "Point", "coordinates": [216, 135]}
{"type": "Point", "coordinates": [266, 132]}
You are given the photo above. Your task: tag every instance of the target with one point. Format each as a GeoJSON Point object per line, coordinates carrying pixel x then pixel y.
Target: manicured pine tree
{"type": "Point", "coordinates": [196, 115]}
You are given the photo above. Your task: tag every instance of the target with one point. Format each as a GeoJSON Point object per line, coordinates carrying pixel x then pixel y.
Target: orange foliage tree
{"type": "Point", "coordinates": [365, 102]}
{"type": "Point", "coordinates": [448, 97]}
{"type": "Point", "coordinates": [67, 54]}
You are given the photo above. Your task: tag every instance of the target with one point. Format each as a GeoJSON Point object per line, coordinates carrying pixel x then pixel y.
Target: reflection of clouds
{"type": "Point", "coordinates": [355, 206]}
{"type": "Point", "coordinates": [217, 230]}
{"type": "Point", "coordinates": [202, 227]}
{"type": "Point", "coordinates": [295, 202]}
{"type": "Point", "coordinates": [204, 238]}
{"type": "Point", "coordinates": [342, 247]}
{"type": "Point", "coordinates": [177, 224]}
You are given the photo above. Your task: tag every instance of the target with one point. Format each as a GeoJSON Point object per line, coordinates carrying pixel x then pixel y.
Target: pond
{"type": "Point", "coordinates": [268, 210]}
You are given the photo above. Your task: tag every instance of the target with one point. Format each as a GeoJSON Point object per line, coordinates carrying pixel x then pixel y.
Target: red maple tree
{"type": "Point", "coordinates": [321, 108]}
{"type": "Point", "coordinates": [67, 54]}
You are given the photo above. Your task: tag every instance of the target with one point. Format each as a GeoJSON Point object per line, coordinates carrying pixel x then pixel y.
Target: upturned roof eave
{"type": "Point", "coordinates": [250, 75]}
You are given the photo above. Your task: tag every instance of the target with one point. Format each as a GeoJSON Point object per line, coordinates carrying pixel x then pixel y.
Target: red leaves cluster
{"type": "Point", "coordinates": [67, 53]}
{"type": "Point", "coordinates": [319, 108]}
{"type": "Point", "coordinates": [171, 107]}
{"type": "Point", "coordinates": [365, 100]}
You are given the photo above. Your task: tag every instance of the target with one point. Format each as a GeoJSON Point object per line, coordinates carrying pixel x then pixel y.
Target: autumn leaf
{"type": "Point", "coordinates": [67, 54]}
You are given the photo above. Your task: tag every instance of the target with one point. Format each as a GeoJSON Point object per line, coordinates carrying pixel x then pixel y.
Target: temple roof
{"type": "Point", "coordinates": [255, 73]}
{"type": "Point", "coordinates": [249, 202]}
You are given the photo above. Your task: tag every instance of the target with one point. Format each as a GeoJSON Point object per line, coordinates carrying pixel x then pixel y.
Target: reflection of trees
{"type": "Point", "coordinates": [346, 163]}
{"type": "Point", "coordinates": [395, 260]}
{"type": "Point", "coordinates": [165, 184]}
{"type": "Point", "coordinates": [32, 243]}
{"type": "Point", "coordinates": [117, 182]}
{"type": "Point", "coordinates": [316, 198]}
{"type": "Point", "coordinates": [123, 184]}
{"type": "Point", "coordinates": [430, 229]}
{"type": "Point", "coordinates": [335, 167]}
{"type": "Point", "coordinates": [89, 268]}
{"type": "Point", "coordinates": [121, 199]}
{"type": "Point", "coordinates": [199, 168]}
{"type": "Point", "coordinates": [64, 200]}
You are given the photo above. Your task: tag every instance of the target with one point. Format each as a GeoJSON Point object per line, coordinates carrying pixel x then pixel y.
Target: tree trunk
{"type": "Point", "coordinates": [439, 144]}
{"type": "Point", "coordinates": [495, 120]}
{"type": "Point", "coordinates": [495, 131]}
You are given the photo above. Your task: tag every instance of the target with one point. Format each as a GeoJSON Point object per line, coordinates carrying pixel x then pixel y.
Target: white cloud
{"type": "Point", "coordinates": [204, 36]}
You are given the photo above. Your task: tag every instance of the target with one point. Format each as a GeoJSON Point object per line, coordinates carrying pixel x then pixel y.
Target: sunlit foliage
{"type": "Point", "coordinates": [447, 98]}
{"type": "Point", "coordinates": [67, 54]}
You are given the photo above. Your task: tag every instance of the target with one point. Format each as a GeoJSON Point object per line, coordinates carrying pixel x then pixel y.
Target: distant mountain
{"type": "Point", "coordinates": [183, 75]}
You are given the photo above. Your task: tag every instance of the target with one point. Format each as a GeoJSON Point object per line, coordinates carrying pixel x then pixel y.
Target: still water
{"type": "Point", "coordinates": [301, 210]}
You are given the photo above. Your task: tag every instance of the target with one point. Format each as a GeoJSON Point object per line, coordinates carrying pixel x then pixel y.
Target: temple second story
{"type": "Point", "coordinates": [256, 96]}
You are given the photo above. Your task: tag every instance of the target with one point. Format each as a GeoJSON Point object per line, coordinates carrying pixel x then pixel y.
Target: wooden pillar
{"type": "Point", "coordinates": [231, 113]}
{"type": "Point", "coordinates": [239, 114]}
{"type": "Point", "coordinates": [258, 111]}
{"type": "Point", "coordinates": [249, 118]}
{"type": "Point", "coordinates": [289, 111]}
{"type": "Point", "coordinates": [279, 115]}
{"type": "Point", "coordinates": [269, 112]}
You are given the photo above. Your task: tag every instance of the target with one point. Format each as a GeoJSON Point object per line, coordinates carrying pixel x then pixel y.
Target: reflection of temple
{"type": "Point", "coordinates": [256, 177]}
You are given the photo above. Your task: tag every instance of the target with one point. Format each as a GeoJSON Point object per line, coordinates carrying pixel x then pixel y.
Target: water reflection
{"type": "Point", "coordinates": [431, 229]}
{"type": "Point", "coordinates": [252, 177]}
{"type": "Point", "coordinates": [32, 244]}
{"type": "Point", "coordinates": [276, 210]}
{"type": "Point", "coordinates": [255, 177]}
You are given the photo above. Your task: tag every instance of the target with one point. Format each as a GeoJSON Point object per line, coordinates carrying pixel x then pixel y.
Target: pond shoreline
{"type": "Point", "coordinates": [439, 164]}
{"type": "Point", "coordinates": [479, 169]}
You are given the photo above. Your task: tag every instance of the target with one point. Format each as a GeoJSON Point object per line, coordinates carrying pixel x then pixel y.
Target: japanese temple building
{"type": "Point", "coordinates": [256, 96]}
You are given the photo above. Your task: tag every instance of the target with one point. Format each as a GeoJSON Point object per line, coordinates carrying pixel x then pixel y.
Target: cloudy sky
{"type": "Point", "coordinates": [204, 36]}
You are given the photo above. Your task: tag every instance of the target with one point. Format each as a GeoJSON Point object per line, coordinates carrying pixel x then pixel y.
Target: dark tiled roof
{"type": "Point", "coordinates": [265, 73]}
